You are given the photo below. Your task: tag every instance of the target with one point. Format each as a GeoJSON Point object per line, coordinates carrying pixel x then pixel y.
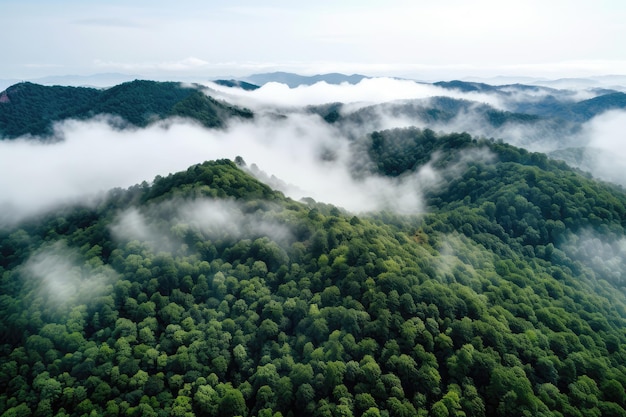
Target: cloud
{"type": "Point", "coordinates": [62, 277]}
{"type": "Point", "coordinates": [307, 156]}
{"type": "Point", "coordinates": [131, 225]}
{"type": "Point", "coordinates": [605, 153]}
{"type": "Point", "coordinates": [603, 254]}
{"type": "Point", "coordinates": [92, 158]}
{"type": "Point", "coordinates": [301, 150]}
{"type": "Point", "coordinates": [227, 219]}
{"type": "Point", "coordinates": [368, 91]}
{"type": "Point", "coordinates": [392, 103]}
{"type": "Point", "coordinates": [163, 226]}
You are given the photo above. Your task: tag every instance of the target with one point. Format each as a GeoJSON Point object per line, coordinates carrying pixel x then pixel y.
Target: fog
{"type": "Point", "coordinates": [62, 278]}
{"type": "Point", "coordinates": [302, 154]}
{"type": "Point", "coordinates": [310, 157]}
{"type": "Point", "coordinates": [605, 157]}
{"type": "Point", "coordinates": [603, 254]}
{"type": "Point", "coordinates": [217, 220]}
{"type": "Point", "coordinates": [366, 92]}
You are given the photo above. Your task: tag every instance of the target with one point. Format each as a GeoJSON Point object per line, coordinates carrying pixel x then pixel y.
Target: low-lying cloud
{"type": "Point", "coordinates": [162, 226]}
{"type": "Point", "coordinates": [63, 278]}
{"type": "Point", "coordinates": [307, 156]}
{"type": "Point", "coordinates": [604, 139]}
{"type": "Point", "coordinates": [368, 91]}
{"type": "Point", "coordinates": [603, 254]}
{"type": "Point", "coordinates": [311, 157]}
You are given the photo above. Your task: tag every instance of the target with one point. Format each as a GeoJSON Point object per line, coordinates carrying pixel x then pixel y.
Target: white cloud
{"type": "Point", "coordinates": [310, 157]}
{"type": "Point", "coordinates": [301, 150]}
{"type": "Point", "coordinates": [161, 226]}
{"type": "Point", "coordinates": [603, 254]}
{"type": "Point", "coordinates": [132, 225]}
{"type": "Point", "coordinates": [61, 277]}
{"type": "Point", "coordinates": [606, 153]}
{"type": "Point", "coordinates": [367, 91]}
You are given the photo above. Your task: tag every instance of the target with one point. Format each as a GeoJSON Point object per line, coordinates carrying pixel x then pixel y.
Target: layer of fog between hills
{"type": "Point", "coordinates": [289, 151]}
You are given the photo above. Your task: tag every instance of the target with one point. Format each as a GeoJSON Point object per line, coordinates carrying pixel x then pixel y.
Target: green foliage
{"type": "Point", "coordinates": [470, 310]}
{"type": "Point", "coordinates": [31, 109]}
{"type": "Point", "coordinates": [206, 110]}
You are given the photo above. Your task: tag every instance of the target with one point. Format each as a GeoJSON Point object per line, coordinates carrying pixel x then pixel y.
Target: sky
{"type": "Point", "coordinates": [427, 40]}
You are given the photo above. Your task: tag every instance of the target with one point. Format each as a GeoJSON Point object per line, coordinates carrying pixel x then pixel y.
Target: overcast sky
{"type": "Point", "coordinates": [419, 39]}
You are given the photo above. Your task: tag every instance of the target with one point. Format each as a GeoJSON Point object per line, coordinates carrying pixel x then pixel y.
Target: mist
{"type": "Point", "coordinates": [605, 156]}
{"type": "Point", "coordinates": [63, 278]}
{"type": "Point", "coordinates": [368, 91]}
{"type": "Point", "coordinates": [216, 220]}
{"type": "Point", "coordinates": [601, 253]}
{"type": "Point", "coordinates": [296, 151]}
{"type": "Point", "coordinates": [308, 156]}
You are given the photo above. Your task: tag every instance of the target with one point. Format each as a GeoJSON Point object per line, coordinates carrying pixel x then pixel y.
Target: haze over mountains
{"type": "Point", "coordinates": [562, 122]}
{"type": "Point", "coordinates": [344, 246]}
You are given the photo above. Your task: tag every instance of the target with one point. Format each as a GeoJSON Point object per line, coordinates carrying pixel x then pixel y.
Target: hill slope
{"type": "Point", "coordinates": [207, 293]}
{"type": "Point", "coordinates": [31, 109]}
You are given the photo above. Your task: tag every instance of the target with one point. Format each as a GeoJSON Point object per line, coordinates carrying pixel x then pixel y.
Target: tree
{"type": "Point", "coordinates": [182, 407]}
{"type": "Point", "coordinates": [511, 390]}
{"type": "Point", "coordinates": [206, 400]}
{"type": "Point", "coordinates": [20, 410]}
{"type": "Point", "coordinates": [232, 404]}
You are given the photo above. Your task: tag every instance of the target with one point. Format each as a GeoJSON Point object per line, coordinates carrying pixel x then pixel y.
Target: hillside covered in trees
{"type": "Point", "coordinates": [32, 109]}
{"type": "Point", "coordinates": [207, 293]}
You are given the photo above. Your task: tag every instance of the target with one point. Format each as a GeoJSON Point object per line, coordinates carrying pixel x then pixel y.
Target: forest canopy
{"type": "Point", "coordinates": [208, 293]}
{"type": "Point", "coordinates": [33, 109]}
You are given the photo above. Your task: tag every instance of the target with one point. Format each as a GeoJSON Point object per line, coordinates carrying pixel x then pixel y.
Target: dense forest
{"type": "Point", "coordinates": [32, 109]}
{"type": "Point", "coordinates": [208, 293]}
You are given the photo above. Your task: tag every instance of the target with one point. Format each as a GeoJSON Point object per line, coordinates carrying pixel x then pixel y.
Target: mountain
{"type": "Point", "coordinates": [466, 86]}
{"type": "Point", "coordinates": [451, 114]}
{"type": "Point", "coordinates": [103, 80]}
{"type": "Point", "coordinates": [28, 108]}
{"type": "Point", "coordinates": [295, 80]}
{"type": "Point", "coordinates": [588, 109]}
{"type": "Point", "coordinates": [208, 293]}
{"type": "Point", "coordinates": [431, 110]}
{"type": "Point", "coordinates": [32, 109]}
{"type": "Point", "coordinates": [537, 117]}
{"type": "Point", "coordinates": [238, 84]}
{"type": "Point", "coordinates": [544, 101]}
{"type": "Point", "coordinates": [604, 81]}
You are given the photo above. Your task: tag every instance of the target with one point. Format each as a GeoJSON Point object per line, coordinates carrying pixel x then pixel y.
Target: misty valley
{"type": "Point", "coordinates": [282, 245]}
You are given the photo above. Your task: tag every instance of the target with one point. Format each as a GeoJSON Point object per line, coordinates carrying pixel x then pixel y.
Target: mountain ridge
{"type": "Point", "coordinates": [219, 296]}
{"type": "Point", "coordinates": [294, 80]}
{"type": "Point", "coordinates": [32, 109]}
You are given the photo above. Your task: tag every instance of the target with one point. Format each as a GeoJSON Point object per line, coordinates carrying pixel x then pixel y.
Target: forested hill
{"type": "Point", "coordinates": [554, 103]}
{"type": "Point", "coordinates": [32, 109]}
{"type": "Point", "coordinates": [208, 293]}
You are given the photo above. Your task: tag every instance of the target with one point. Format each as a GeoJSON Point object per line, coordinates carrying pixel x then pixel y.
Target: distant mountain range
{"type": "Point", "coordinates": [28, 108]}
{"type": "Point", "coordinates": [602, 81]}
{"type": "Point", "coordinates": [295, 80]}
{"type": "Point", "coordinates": [537, 116]}
{"type": "Point", "coordinates": [548, 102]}
{"type": "Point", "coordinates": [237, 84]}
